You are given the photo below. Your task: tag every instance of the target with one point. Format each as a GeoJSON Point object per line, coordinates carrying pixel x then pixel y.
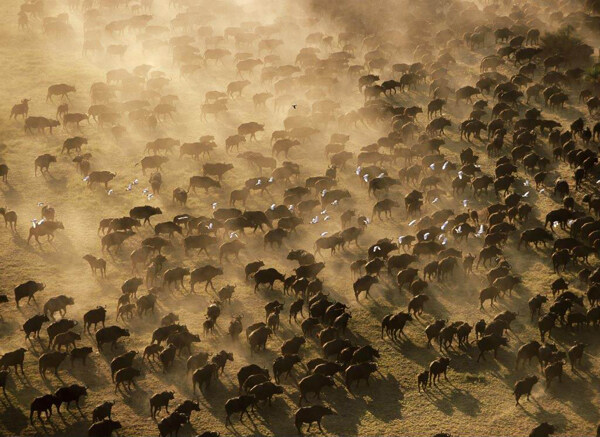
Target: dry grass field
{"type": "Point", "coordinates": [476, 400]}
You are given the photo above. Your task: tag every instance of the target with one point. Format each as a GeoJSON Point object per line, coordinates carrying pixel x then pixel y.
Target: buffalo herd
{"type": "Point", "coordinates": [303, 205]}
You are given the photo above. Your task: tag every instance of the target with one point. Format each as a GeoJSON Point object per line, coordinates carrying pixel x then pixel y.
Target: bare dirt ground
{"type": "Point", "coordinates": [476, 400]}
